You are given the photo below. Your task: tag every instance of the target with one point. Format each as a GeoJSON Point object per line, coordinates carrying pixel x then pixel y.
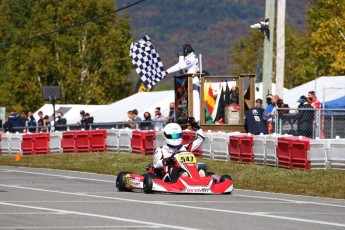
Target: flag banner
{"type": "Point", "coordinates": [141, 87]}
{"type": "Point", "coordinates": [147, 62]}
{"type": "Point", "coordinates": [209, 98]}
{"type": "Point", "coordinates": [181, 99]}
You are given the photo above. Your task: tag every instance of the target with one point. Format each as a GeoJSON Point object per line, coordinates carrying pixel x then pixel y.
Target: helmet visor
{"type": "Point", "coordinates": [173, 135]}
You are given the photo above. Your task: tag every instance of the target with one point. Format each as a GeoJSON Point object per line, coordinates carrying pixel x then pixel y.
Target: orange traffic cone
{"type": "Point", "coordinates": [17, 157]}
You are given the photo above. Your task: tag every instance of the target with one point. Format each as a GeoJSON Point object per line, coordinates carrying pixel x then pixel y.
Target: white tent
{"type": "Point", "coordinates": [115, 112]}
{"type": "Point", "coordinates": [326, 89]}
{"type": "Point", "coordinates": [259, 94]}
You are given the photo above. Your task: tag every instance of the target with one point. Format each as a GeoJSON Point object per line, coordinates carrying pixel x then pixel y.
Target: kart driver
{"type": "Point", "coordinates": [163, 158]}
{"type": "Point", "coordinates": [189, 63]}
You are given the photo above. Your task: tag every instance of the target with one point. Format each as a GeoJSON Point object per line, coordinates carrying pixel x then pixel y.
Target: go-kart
{"type": "Point", "coordinates": [190, 180]}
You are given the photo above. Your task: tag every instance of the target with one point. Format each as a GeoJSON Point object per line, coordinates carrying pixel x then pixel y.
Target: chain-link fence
{"type": "Point", "coordinates": [313, 123]}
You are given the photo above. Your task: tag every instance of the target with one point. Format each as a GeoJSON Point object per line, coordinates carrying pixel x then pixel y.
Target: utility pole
{"type": "Point", "coordinates": [268, 50]}
{"type": "Point", "coordinates": [280, 58]}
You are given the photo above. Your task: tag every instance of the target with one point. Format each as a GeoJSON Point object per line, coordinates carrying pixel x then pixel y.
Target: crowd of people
{"type": "Point", "coordinates": [262, 120]}
{"type": "Point", "coordinates": [25, 122]}
{"type": "Point", "coordinates": [148, 122]}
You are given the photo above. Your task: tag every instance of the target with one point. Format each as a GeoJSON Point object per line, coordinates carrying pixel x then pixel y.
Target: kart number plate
{"type": "Point", "coordinates": [187, 158]}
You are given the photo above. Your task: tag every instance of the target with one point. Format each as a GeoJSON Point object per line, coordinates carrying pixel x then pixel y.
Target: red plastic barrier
{"type": "Point", "coordinates": [82, 141]}
{"type": "Point", "coordinates": [234, 148]}
{"type": "Point", "coordinates": [299, 153]}
{"type": "Point", "coordinates": [187, 137]}
{"type": "Point", "coordinates": [292, 152]}
{"type": "Point", "coordinates": [41, 143]}
{"type": "Point", "coordinates": [98, 140]}
{"type": "Point", "coordinates": [143, 142]}
{"type": "Point", "coordinates": [27, 144]}
{"type": "Point", "coordinates": [68, 142]}
{"type": "Point", "coordinates": [246, 148]}
{"type": "Point", "coordinates": [284, 152]}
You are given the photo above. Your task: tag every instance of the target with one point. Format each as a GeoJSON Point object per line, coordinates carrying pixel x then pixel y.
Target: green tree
{"type": "Point", "coordinates": [247, 54]}
{"type": "Point", "coordinates": [90, 62]}
{"type": "Point", "coordinates": [326, 20]}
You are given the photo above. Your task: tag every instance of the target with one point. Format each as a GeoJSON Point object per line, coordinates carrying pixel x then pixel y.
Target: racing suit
{"type": "Point", "coordinates": [166, 151]}
{"type": "Point", "coordinates": [190, 64]}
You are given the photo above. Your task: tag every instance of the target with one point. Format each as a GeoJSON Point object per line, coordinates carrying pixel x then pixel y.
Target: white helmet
{"type": "Point", "coordinates": [173, 134]}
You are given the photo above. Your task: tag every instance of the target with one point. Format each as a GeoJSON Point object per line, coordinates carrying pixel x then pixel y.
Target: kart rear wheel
{"type": "Point", "coordinates": [209, 173]}
{"type": "Point", "coordinates": [121, 182]}
{"type": "Point", "coordinates": [224, 178]}
{"type": "Point", "coordinates": [148, 183]}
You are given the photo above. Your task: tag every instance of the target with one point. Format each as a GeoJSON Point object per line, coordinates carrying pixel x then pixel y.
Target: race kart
{"type": "Point", "coordinates": [190, 180]}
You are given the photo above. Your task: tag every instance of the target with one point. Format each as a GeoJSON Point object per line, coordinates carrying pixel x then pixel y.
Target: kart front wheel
{"type": "Point", "coordinates": [122, 182]}
{"type": "Point", "coordinates": [148, 183]}
{"type": "Point", "coordinates": [224, 178]}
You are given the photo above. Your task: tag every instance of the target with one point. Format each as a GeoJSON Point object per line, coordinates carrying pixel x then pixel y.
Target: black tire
{"type": "Point", "coordinates": [148, 183]}
{"type": "Point", "coordinates": [209, 173]}
{"type": "Point", "coordinates": [224, 178]}
{"type": "Point", "coordinates": [121, 182]}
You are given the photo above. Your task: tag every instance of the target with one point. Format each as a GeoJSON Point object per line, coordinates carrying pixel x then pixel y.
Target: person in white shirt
{"type": "Point", "coordinates": [189, 64]}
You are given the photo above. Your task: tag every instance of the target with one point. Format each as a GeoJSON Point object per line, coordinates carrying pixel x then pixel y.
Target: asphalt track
{"type": "Point", "coordinates": [33, 198]}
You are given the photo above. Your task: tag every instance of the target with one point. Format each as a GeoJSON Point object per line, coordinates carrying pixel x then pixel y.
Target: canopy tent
{"type": "Point", "coordinates": [336, 103]}
{"type": "Point", "coordinates": [326, 89]}
{"type": "Point", "coordinates": [115, 112]}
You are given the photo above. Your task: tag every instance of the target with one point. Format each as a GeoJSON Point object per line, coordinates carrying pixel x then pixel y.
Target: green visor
{"type": "Point", "coordinates": [173, 135]}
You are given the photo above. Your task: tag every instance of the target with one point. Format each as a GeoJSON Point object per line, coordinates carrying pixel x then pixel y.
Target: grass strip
{"type": "Point", "coordinates": [322, 183]}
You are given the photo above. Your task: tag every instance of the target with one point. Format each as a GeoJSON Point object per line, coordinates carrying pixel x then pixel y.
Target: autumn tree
{"type": "Point", "coordinates": [89, 61]}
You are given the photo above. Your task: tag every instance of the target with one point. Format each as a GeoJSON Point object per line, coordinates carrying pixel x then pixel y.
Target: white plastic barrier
{"type": "Point", "coordinates": [159, 140]}
{"type": "Point", "coordinates": [259, 149]}
{"type": "Point", "coordinates": [206, 147]}
{"type": "Point", "coordinates": [336, 154]}
{"type": "Point", "coordinates": [317, 155]}
{"type": "Point", "coordinates": [55, 142]}
{"type": "Point", "coordinates": [113, 140]}
{"type": "Point", "coordinates": [271, 150]}
{"type": "Point", "coordinates": [220, 145]}
{"type": "Point", "coordinates": [125, 136]}
{"type": "Point", "coordinates": [16, 143]}
{"type": "Point", "coordinates": [6, 144]}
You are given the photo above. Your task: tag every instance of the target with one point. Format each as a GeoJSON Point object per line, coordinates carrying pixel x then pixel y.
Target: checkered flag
{"type": "Point", "coordinates": [147, 62]}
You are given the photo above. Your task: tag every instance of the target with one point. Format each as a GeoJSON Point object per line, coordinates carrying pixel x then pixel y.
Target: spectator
{"type": "Point", "coordinates": [305, 118]}
{"type": "Point", "coordinates": [15, 123]}
{"type": "Point", "coordinates": [283, 107]}
{"type": "Point", "coordinates": [130, 122]}
{"type": "Point", "coordinates": [269, 111]}
{"type": "Point", "coordinates": [60, 122]}
{"type": "Point", "coordinates": [31, 123]}
{"type": "Point", "coordinates": [171, 116]}
{"type": "Point", "coordinates": [82, 114]}
{"type": "Point", "coordinates": [40, 121]}
{"type": "Point", "coordinates": [314, 102]}
{"type": "Point", "coordinates": [137, 120]}
{"type": "Point", "coordinates": [46, 124]}
{"type": "Point", "coordinates": [254, 122]}
{"type": "Point", "coordinates": [258, 106]}
{"type": "Point", "coordinates": [158, 121]}
{"type": "Point", "coordinates": [146, 124]}
{"type": "Point", "coordinates": [86, 121]}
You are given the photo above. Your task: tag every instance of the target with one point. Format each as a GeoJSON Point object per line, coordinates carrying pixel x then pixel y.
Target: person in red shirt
{"type": "Point", "coordinates": [314, 101]}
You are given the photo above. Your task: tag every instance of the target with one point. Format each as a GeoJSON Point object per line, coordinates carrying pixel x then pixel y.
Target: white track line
{"type": "Point", "coordinates": [98, 216]}
{"type": "Point", "coordinates": [249, 196]}
{"type": "Point", "coordinates": [82, 227]}
{"type": "Point", "coordinates": [181, 206]}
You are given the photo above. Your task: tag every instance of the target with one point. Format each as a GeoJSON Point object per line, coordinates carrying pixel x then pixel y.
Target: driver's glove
{"type": "Point", "coordinates": [168, 161]}
{"type": "Point", "coordinates": [195, 126]}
